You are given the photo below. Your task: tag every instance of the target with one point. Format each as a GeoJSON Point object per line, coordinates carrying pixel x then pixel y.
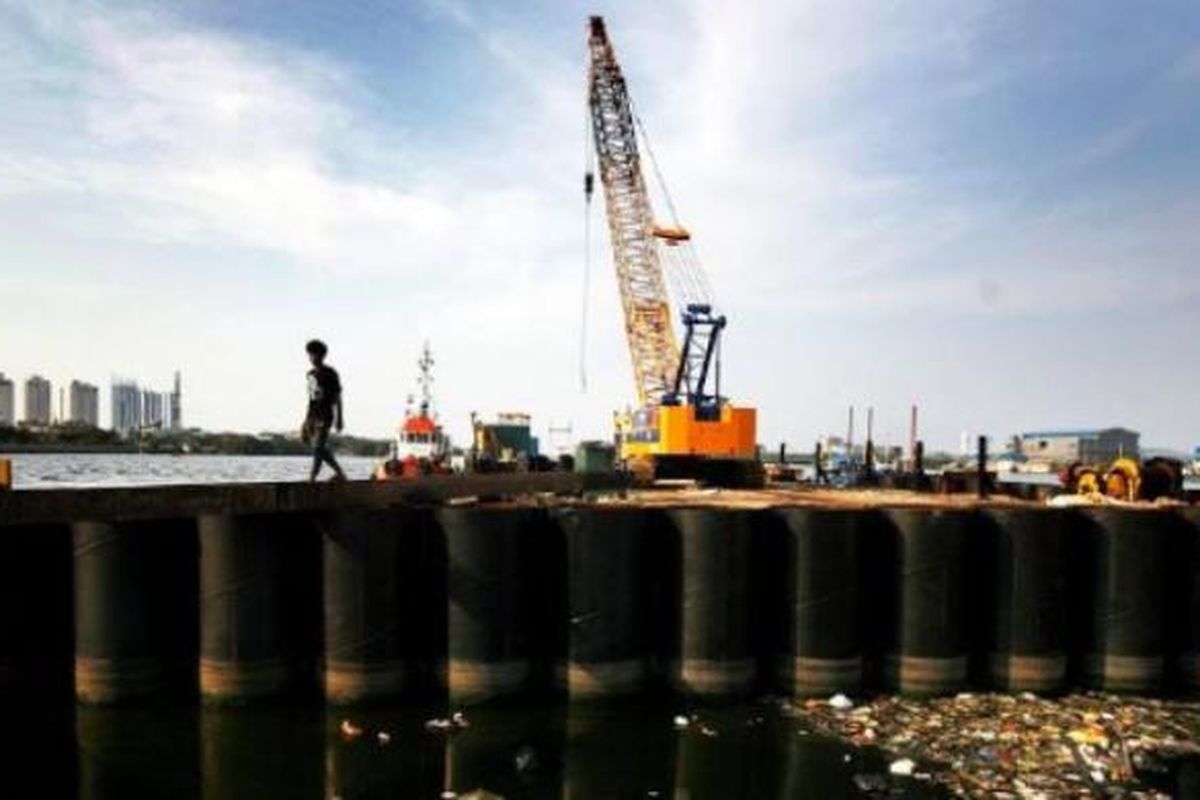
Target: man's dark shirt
{"type": "Point", "coordinates": [324, 391]}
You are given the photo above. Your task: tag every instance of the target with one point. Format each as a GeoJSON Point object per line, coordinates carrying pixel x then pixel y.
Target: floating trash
{"type": "Point", "coordinates": [840, 702]}
{"type": "Point", "coordinates": [681, 722]}
{"type": "Point", "coordinates": [349, 730]}
{"type": "Point", "coordinates": [383, 737]}
{"type": "Point", "coordinates": [985, 745]}
{"type": "Point", "coordinates": [456, 722]}
{"type": "Point", "coordinates": [526, 759]}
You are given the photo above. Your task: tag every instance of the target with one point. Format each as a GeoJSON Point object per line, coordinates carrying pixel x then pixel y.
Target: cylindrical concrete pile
{"type": "Point", "coordinates": [36, 640]}
{"type": "Point", "coordinates": [1187, 600]}
{"type": "Point", "coordinates": [608, 579]}
{"type": "Point", "coordinates": [1123, 589]}
{"type": "Point", "coordinates": [507, 599]}
{"type": "Point", "coordinates": [260, 612]}
{"type": "Point", "coordinates": [925, 611]}
{"type": "Point", "coordinates": [1023, 579]}
{"type": "Point", "coordinates": [715, 549]}
{"type": "Point", "coordinates": [135, 612]}
{"type": "Point", "coordinates": [820, 641]}
{"type": "Point", "coordinates": [373, 604]}
{"type": "Point", "coordinates": [489, 642]}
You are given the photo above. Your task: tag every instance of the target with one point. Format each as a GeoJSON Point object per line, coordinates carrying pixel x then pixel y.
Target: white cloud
{"type": "Point", "coordinates": [219, 198]}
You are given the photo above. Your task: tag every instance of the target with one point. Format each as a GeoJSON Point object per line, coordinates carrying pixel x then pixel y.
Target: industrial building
{"type": "Point", "coordinates": [1097, 446]}
{"type": "Point", "coordinates": [8, 410]}
{"type": "Point", "coordinates": [38, 403]}
{"type": "Point", "coordinates": [84, 404]}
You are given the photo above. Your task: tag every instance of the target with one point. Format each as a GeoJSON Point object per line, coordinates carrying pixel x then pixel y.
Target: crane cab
{"type": "Point", "coordinates": [679, 441]}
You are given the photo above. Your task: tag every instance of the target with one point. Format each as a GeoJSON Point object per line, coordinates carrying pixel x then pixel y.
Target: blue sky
{"type": "Point", "coordinates": [989, 209]}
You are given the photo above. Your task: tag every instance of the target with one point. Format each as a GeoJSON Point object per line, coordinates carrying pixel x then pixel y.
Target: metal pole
{"type": "Point", "coordinates": [981, 467]}
{"type": "Point", "coordinates": [869, 452]}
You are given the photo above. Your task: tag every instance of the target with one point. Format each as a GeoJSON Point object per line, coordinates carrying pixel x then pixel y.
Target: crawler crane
{"type": "Point", "coordinates": [683, 425]}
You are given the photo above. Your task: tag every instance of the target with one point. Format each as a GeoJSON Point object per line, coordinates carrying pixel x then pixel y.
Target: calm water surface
{"type": "Point", "coordinates": [545, 751]}
{"type": "Point", "coordinates": [59, 470]}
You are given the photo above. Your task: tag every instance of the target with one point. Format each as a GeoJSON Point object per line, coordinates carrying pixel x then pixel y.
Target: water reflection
{"type": "Point", "coordinates": [614, 753]}
{"type": "Point", "coordinates": [545, 751]}
{"type": "Point", "coordinates": [262, 753]}
{"type": "Point", "coordinates": [137, 752]}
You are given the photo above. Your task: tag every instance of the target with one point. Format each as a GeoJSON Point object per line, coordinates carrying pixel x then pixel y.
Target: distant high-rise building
{"type": "Point", "coordinates": [8, 409]}
{"type": "Point", "coordinates": [175, 418]}
{"type": "Point", "coordinates": [37, 400]}
{"type": "Point", "coordinates": [126, 406]}
{"type": "Point", "coordinates": [152, 409]}
{"type": "Point", "coordinates": [85, 404]}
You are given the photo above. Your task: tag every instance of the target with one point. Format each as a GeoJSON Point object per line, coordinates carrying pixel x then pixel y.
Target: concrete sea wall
{"type": "Point", "coordinates": [237, 595]}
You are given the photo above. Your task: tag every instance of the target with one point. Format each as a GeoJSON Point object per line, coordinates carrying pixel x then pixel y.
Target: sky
{"type": "Point", "coordinates": [991, 210]}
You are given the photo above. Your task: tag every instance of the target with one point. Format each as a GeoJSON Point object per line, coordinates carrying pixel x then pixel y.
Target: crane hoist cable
{"type": "Point", "coordinates": [589, 183]}
{"type": "Point", "coordinates": [687, 281]}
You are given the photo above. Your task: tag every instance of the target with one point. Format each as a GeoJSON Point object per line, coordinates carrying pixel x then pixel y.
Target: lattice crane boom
{"type": "Point", "coordinates": [648, 327]}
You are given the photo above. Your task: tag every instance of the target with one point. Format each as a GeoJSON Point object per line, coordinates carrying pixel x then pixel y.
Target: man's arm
{"type": "Point", "coordinates": [341, 422]}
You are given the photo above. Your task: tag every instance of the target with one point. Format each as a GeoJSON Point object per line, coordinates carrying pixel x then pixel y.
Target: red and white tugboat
{"type": "Point", "coordinates": [421, 447]}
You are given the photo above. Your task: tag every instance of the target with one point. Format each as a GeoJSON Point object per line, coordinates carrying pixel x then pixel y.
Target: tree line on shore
{"type": "Point", "coordinates": [72, 437]}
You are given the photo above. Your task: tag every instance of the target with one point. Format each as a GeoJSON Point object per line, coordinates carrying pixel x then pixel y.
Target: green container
{"type": "Point", "coordinates": [595, 457]}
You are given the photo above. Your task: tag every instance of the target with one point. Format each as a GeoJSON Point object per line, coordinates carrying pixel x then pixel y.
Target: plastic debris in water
{"type": "Point", "coordinates": [903, 766]}
{"type": "Point", "coordinates": [997, 745]}
{"type": "Point", "coordinates": [349, 730]}
{"type": "Point", "coordinates": [459, 720]}
{"type": "Point", "coordinates": [681, 721]}
{"type": "Point", "coordinates": [841, 702]}
{"type": "Point", "coordinates": [384, 737]}
{"type": "Point", "coordinates": [526, 759]}
{"type": "Point", "coordinates": [439, 724]}
{"type": "Point", "coordinates": [449, 795]}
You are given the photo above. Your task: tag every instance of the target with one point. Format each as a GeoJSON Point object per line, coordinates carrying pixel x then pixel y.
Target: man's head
{"type": "Point", "coordinates": [316, 350]}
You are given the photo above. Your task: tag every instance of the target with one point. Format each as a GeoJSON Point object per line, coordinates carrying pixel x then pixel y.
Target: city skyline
{"type": "Point", "coordinates": [985, 209]}
{"type": "Point", "coordinates": [57, 402]}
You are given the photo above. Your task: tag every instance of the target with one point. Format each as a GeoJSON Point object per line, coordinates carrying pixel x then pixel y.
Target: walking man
{"type": "Point", "coordinates": [324, 409]}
